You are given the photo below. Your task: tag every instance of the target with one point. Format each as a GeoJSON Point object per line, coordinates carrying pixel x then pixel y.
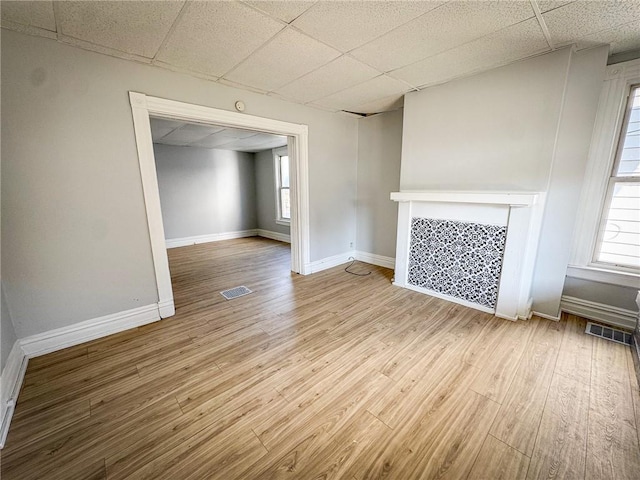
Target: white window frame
{"type": "Point", "coordinates": [594, 199]}
{"type": "Point", "coordinates": [277, 153]}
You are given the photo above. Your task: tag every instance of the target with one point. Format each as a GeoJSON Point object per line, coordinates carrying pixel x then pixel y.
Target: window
{"type": "Point", "coordinates": [283, 193]}
{"type": "Point", "coordinates": [605, 247]}
{"type": "Point", "coordinates": [619, 233]}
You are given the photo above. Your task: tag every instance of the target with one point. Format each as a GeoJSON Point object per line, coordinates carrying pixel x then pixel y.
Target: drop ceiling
{"type": "Point", "coordinates": [171, 132]}
{"type": "Point", "coordinates": [357, 56]}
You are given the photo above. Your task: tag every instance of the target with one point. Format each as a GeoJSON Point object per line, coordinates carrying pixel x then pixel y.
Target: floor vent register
{"type": "Point", "coordinates": [235, 292]}
{"type": "Point", "coordinates": [613, 334]}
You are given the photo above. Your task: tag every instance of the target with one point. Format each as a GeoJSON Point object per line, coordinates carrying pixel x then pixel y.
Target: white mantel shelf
{"type": "Point", "coordinates": [514, 199]}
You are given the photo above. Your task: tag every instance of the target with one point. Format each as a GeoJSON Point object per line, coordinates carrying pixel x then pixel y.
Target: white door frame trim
{"type": "Point", "coordinates": [143, 105]}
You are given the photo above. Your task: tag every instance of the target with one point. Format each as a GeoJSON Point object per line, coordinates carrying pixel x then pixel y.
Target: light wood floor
{"type": "Point", "coordinates": [325, 376]}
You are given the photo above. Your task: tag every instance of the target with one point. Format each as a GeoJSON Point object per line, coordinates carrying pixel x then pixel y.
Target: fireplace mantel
{"type": "Point", "coordinates": [513, 199]}
{"type": "Point", "coordinates": [511, 218]}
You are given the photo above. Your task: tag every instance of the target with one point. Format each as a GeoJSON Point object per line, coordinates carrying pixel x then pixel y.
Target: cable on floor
{"type": "Point", "coordinates": [346, 269]}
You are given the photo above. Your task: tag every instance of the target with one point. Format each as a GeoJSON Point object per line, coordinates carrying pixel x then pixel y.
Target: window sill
{"type": "Point", "coordinates": [612, 277]}
{"type": "Point", "coordinates": [284, 222]}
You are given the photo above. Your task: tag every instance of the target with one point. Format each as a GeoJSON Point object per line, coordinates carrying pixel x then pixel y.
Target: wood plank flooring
{"type": "Point", "coordinates": [329, 376]}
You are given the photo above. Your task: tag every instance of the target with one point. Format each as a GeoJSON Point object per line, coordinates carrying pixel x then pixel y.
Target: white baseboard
{"type": "Point", "coordinates": [53, 340]}
{"type": "Point", "coordinates": [527, 312]}
{"type": "Point", "coordinates": [373, 259]}
{"type": "Point", "coordinates": [614, 316]}
{"type": "Point", "coordinates": [329, 262]}
{"type": "Point", "coordinates": [64, 337]}
{"type": "Point", "coordinates": [214, 237]}
{"type": "Point", "coordinates": [281, 237]}
{"type": "Point", "coordinates": [10, 384]}
{"type": "Point", "coordinates": [548, 317]}
{"type": "Point", "coordinates": [166, 308]}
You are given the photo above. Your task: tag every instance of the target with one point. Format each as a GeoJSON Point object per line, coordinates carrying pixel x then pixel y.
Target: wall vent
{"type": "Point", "coordinates": [235, 292]}
{"type": "Point", "coordinates": [613, 334]}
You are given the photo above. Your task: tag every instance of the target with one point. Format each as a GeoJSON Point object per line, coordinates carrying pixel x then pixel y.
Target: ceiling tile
{"type": "Point", "coordinates": [446, 27]}
{"type": "Point", "coordinates": [545, 6]}
{"type": "Point", "coordinates": [579, 19]}
{"type": "Point", "coordinates": [502, 47]}
{"type": "Point", "coordinates": [369, 91]}
{"type": "Point", "coordinates": [341, 73]}
{"type": "Point", "coordinates": [212, 37]}
{"type": "Point", "coordinates": [34, 14]}
{"type": "Point", "coordinates": [622, 38]}
{"type": "Point", "coordinates": [161, 127]}
{"type": "Point", "coordinates": [189, 133]}
{"type": "Point", "coordinates": [287, 11]}
{"type": "Point", "coordinates": [237, 133]}
{"type": "Point", "coordinates": [223, 137]}
{"type": "Point", "coordinates": [387, 104]}
{"type": "Point", "coordinates": [240, 86]}
{"type": "Point", "coordinates": [349, 24]}
{"type": "Point", "coordinates": [256, 143]}
{"type": "Point", "coordinates": [214, 141]}
{"type": "Point", "coordinates": [287, 57]}
{"type": "Point", "coordinates": [132, 27]}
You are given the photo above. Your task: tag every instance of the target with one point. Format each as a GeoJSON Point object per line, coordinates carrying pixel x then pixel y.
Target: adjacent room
{"type": "Point", "coordinates": [320, 239]}
{"type": "Point", "coordinates": [218, 184]}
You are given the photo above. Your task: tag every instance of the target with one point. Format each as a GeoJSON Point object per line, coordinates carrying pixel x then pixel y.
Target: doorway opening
{"type": "Point", "coordinates": [144, 107]}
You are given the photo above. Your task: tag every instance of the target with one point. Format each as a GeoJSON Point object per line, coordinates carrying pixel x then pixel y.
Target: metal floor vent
{"type": "Point", "coordinates": [235, 292]}
{"type": "Point", "coordinates": [612, 334]}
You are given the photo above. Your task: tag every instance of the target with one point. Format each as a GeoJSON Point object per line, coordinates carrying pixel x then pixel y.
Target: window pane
{"type": "Point", "coordinates": [284, 171]}
{"type": "Point", "coordinates": [629, 164]}
{"type": "Point", "coordinates": [621, 236]}
{"type": "Point", "coordinates": [285, 207]}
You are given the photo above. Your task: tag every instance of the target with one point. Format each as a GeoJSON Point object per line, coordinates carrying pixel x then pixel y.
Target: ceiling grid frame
{"type": "Point", "coordinates": [616, 25]}
{"type": "Point", "coordinates": [185, 5]}
{"type": "Point", "coordinates": [543, 25]}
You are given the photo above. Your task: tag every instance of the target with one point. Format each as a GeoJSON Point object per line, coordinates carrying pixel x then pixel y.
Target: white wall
{"type": "Point", "coordinates": [205, 191]}
{"type": "Point", "coordinates": [7, 332]}
{"type": "Point", "coordinates": [74, 233]}
{"type": "Point", "coordinates": [495, 130]}
{"type": "Point", "coordinates": [525, 126]}
{"type": "Point", "coordinates": [584, 81]}
{"type": "Point", "coordinates": [266, 194]}
{"type": "Point", "coordinates": [604, 293]}
{"type": "Point", "coordinates": [379, 153]}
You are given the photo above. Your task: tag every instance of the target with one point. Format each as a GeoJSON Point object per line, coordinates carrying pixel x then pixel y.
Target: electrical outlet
{"type": "Point", "coordinates": [350, 244]}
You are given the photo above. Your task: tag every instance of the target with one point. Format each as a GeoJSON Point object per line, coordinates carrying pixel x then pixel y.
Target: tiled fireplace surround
{"type": "Point", "coordinates": [473, 248]}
